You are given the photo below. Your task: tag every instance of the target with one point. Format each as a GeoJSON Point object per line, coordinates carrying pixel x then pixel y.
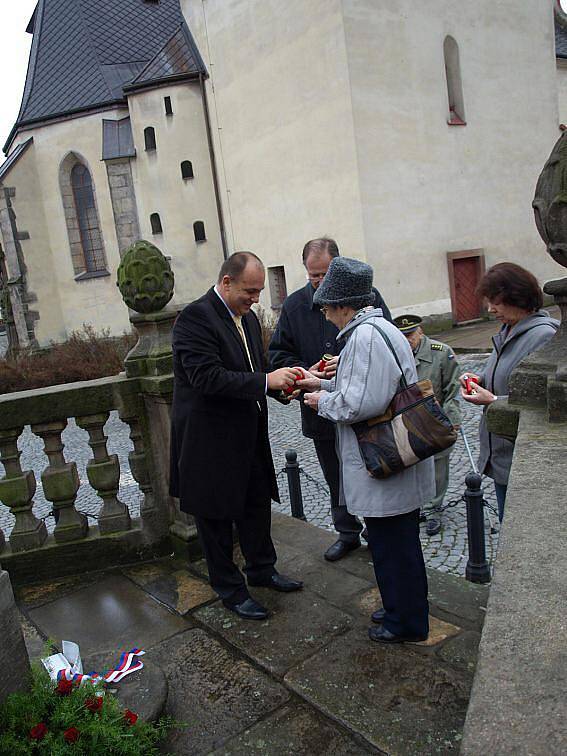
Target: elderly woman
{"type": "Point", "coordinates": [366, 380]}
{"type": "Point", "coordinates": [514, 297]}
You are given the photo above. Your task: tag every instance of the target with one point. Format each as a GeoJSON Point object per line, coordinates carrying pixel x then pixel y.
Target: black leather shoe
{"type": "Point", "coordinates": [249, 609]}
{"type": "Point", "coordinates": [382, 635]}
{"type": "Point", "coordinates": [378, 616]}
{"type": "Point", "coordinates": [279, 583]}
{"type": "Point", "coordinates": [340, 549]}
{"type": "Point", "coordinates": [433, 526]}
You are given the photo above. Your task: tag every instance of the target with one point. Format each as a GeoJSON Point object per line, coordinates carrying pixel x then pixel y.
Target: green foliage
{"type": "Point", "coordinates": [103, 732]}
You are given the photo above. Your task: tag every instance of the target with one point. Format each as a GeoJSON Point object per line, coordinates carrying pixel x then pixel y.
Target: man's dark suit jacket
{"type": "Point", "coordinates": [215, 417]}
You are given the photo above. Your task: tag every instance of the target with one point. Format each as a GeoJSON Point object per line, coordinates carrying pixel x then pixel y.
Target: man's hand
{"type": "Point", "coordinates": [281, 379]}
{"type": "Point", "coordinates": [312, 400]}
{"type": "Point", "coordinates": [480, 396]}
{"type": "Point", "coordinates": [468, 378]}
{"type": "Point", "coordinates": [309, 383]}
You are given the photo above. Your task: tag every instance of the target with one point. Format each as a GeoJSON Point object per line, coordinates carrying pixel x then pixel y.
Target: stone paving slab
{"type": "Point", "coordinates": [214, 691]}
{"type": "Point", "coordinates": [37, 594]}
{"type": "Point", "coordinates": [393, 696]}
{"type": "Point", "coordinates": [112, 615]}
{"type": "Point", "coordinates": [169, 581]}
{"type": "Point", "coordinates": [461, 652]}
{"type": "Point", "coordinates": [295, 730]}
{"type": "Point", "coordinates": [300, 623]}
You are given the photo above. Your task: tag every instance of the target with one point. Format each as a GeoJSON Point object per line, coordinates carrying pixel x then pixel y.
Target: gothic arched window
{"type": "Point", "coordinates": [87, 217]}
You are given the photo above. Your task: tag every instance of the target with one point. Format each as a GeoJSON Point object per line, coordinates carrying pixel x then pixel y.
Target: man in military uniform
{"type": "Point", "coordinates": [437, 362]}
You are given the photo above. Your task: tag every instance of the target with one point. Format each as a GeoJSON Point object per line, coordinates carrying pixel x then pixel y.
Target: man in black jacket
{"type": "Point", "coordinates": [302, 337]}
{"type": "Point", "coordinates": [221, 463]}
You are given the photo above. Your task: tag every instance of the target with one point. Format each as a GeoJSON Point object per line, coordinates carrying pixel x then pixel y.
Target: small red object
{"type": "Point", "coordinates": [71, 735]}
{"type": "Point", "coordinates": [94, 704]}
{"type": "Point", "coordinates": [39, 731]}
{"type": "Point", "coordinates": [64, 687]}
{"type": "Point", "coordinates": [298, 377]}
{"type": "Point", "coordinates": [130, 717]}
{"type": "Point", "coordinates": [322, 365]}
{"type": "Point", "coordinates": [469, 385]}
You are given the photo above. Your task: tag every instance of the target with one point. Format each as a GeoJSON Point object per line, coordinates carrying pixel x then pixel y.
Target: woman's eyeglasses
{"type": "Point", "coordinates": [316, 277]}
{"type": "Point", "coordinates": [324, 309]}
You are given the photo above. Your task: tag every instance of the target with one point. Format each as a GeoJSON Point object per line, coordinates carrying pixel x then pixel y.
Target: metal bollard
{"type": "Point", "coordinates": [294, 484]}
{"type": "Point", "coordinates": [477, 570]}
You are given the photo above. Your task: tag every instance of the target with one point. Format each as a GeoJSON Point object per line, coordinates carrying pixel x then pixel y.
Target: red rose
{"type": "Point", "coordinates": [130, 717]}
{"type": "Point", "coordinates": [94, 704]}
{"type": "Point", "coordinates": [39, 731]}
{"type": "Point", "coordinates": [64, 687]}
{"type": "Point", "coordinates": [71, 735]}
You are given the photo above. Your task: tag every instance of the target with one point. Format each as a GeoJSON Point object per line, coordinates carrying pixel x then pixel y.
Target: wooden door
{"type": "Point", "coordinates": [465, 271]}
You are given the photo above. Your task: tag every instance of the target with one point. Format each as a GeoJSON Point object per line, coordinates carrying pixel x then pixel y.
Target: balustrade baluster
{"type": "Point", "coordinates": [103, 472]}
{"type": "Point", "coordinates": [17, 489]}
{"type": "Point", "coordinates": [61, 482]}
{"type": "Point", "coordinates": [139, 464]}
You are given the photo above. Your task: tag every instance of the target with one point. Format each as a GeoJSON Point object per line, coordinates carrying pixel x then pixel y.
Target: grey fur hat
{"type": "Point", "coordinates": [347, 283]}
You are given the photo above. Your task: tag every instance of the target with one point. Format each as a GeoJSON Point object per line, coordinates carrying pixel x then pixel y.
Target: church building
{"type": "Point", "coordinates": [412, 133]}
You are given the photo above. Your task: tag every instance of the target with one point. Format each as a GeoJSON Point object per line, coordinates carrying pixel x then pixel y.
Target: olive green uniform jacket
{"type": "Point", "coordinates": [437, 362]}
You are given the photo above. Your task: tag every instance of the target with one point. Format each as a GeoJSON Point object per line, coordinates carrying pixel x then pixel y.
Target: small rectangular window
{"type": "Point", "coordinates": [278, 288]}
{"type": "Point", "coordinates": [168, 108]}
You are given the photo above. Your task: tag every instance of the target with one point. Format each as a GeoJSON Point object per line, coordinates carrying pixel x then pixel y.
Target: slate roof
{"type": "Point", "coordinates": [560, 38]}
{"type": "Point", "coordinates": [84, 52]}
{"type": "Point", "coordinates": [14, 157]}
{"type": "Point", "coordinates": [178, 57]}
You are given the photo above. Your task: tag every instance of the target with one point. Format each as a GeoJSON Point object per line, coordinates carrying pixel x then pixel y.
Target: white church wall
{"type": "Point", "coordinates": [282, 124]}
{"type": "Point", "coordinates": [562, 89]}
{"type": "Point", "coordinates": [40, 274]}
{"type": "Point", "coordinates": [161, 189]}
{"type": "Point", "coordinates": [332, 118]}
{"type": "Point", "coordinates": [94, 301]}
{"type": "Point", "coordinates": [428, 188]}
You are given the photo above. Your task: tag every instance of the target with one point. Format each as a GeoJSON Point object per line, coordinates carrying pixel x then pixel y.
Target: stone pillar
{"type": "Point", "coordinates": [123, 199]}
{"type": "Point", "coordinates": [17, 489]}
{"type": "Point", "coordinates": [14, 661]}
{"type": "Point", "coordinates": [103, 473]}
{"type": "Point", "coordinates": [60, 484]}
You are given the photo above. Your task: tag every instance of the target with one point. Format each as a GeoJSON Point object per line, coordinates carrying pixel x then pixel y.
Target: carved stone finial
{"type": "Point", "coordinates": [550, 202]}
{"type": "Point", "coordinates": [145, 278]}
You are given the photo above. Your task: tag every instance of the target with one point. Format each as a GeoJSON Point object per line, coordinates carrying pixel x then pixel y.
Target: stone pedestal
{"type": "Point", "coordinates": [14, 662]}
{"type": "Point", "coordinates": [152, 353]}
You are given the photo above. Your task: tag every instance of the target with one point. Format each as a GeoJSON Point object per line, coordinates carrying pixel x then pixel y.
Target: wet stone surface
{"type": "Point", "coordinates": [214, 692]}
{"type": "Point", "coordinates": [299, 625]}
{"type": "Point", "coordinates": [295, 731]}
{"type": "Point", "coordinates": [393, 696]}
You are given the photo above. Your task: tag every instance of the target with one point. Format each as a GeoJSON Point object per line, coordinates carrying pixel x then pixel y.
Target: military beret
{"type": "Point", "coordinates": [407, 323]}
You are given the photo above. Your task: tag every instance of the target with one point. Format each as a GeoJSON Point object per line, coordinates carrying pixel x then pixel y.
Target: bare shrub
{"type": "Point", "coordinates": [85, 355]}
{"type": "Point", "coordinates": [268, 323]}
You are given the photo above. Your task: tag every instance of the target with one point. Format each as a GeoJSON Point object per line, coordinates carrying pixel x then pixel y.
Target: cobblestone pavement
{"type": "Point", "coordinates": [446, 551]}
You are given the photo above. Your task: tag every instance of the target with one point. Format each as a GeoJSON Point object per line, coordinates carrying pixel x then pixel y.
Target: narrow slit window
{"type": "Point", "coordinates": [155, 222]}
{"type": "Point", "coordinates": [455, 99]}
{"type": "Point", "coordinates": [150, 138]}
{"type": "Point", "coordinates": [199, 231]}
{"type": "Point", "coordinates": [278, 287]}
{"type": "Point", "coordinates": [187, 169]}
{"type": "Point", "coordinates": [168, 108]}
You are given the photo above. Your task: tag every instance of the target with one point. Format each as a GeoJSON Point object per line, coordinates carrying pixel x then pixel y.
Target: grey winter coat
{"type": "Point", "coordinates": [511, 345]}
{"type": "Point", "coordinates": [367, 378]}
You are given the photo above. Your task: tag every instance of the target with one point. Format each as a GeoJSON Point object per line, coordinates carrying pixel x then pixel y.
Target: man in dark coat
{"type": "Point", "coordinates": [302, 337]}
{"type": "Point", "coordinates": [221, 463]}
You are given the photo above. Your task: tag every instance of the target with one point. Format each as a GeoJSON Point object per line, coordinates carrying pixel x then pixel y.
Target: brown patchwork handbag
{"type": "Point", "coordinates": [414, 427]}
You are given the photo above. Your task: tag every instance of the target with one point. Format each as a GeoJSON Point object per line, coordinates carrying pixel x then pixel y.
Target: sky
{"type": "Point", "coordinates": [14, 52]}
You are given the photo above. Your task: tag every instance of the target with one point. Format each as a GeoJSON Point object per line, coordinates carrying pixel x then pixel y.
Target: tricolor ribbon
{"type": "Point", "coordinates": [128, 663]}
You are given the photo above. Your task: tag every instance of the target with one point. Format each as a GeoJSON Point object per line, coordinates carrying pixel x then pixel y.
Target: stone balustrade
{"type": "Point", "coordinates": [117, 536]}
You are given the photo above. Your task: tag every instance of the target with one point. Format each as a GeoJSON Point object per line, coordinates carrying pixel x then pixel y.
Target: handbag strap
{"type": "Point", "coordinates": [403, 381]}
